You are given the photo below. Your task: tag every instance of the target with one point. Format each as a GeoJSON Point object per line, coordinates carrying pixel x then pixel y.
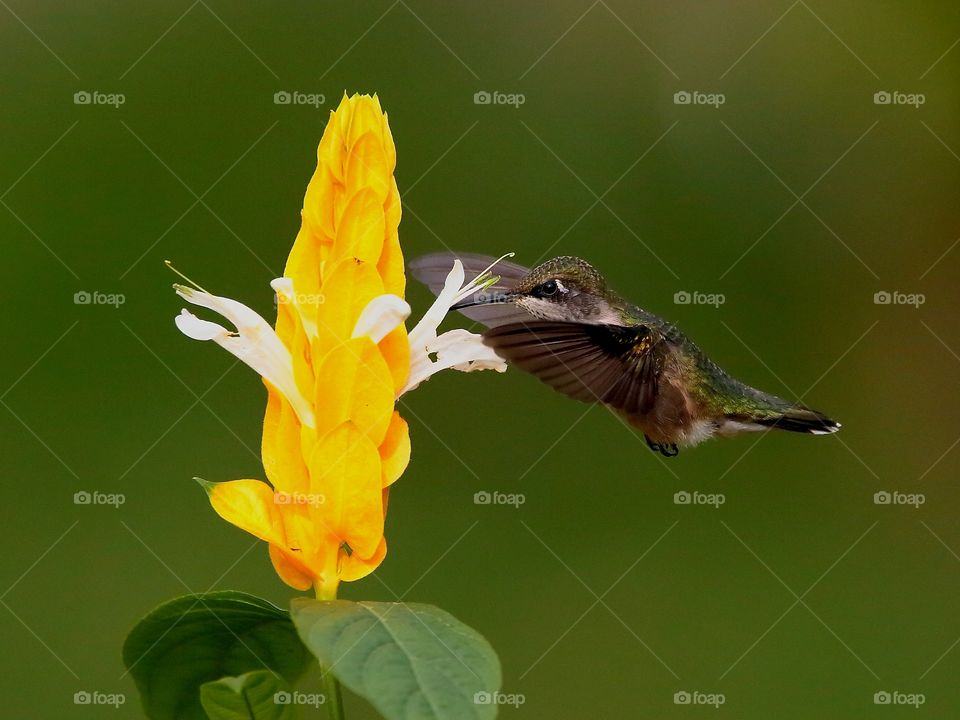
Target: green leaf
{"type": "Point", "coordinates": [258, 695]}
{"type": "Point", "coordinates": [196, 639]}
{"type": "Point", "coordinates": [411, 661]}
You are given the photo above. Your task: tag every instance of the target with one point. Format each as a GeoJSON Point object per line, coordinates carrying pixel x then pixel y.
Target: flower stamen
{"type": "Point", "coordinates": [198, 287]}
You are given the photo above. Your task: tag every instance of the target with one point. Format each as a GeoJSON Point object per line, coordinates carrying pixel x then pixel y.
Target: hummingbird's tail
{"type": "Point", "coordinates": [800, 419]}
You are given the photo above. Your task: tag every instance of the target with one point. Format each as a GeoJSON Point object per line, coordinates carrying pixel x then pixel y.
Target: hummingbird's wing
{"type": "Point", "coordinates": [612, 364]}
{"type": "Point", "coordinates": [432, 271]}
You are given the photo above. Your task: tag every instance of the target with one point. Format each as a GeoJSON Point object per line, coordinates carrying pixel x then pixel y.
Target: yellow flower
{"type": "Point", "coordinates": [335, 363]}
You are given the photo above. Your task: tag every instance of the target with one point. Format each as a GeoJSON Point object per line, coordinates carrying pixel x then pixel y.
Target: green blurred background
{"type": "Point", "coordinates": [798, 597]}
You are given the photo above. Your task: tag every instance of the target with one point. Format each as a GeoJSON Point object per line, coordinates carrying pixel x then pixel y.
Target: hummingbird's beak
{"type": "Point", "coordinates": [470, 302]}
{"type": "Point", "coordinates": [484, 298]}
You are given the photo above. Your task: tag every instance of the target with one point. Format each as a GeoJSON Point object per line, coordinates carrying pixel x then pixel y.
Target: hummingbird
{"type": "Point", "coordinates": [561, 322]}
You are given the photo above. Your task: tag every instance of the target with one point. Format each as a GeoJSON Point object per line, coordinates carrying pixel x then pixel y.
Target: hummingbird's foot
{"type": "Point", "coordinates": [670, 450]}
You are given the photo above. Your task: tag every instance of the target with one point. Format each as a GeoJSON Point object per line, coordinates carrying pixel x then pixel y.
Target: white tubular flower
{"type": "Point", "coordinates": [255, 342]}
{"type": "Point", "coordinates": [457, 349]}
{"type": "Point", "coordinates": [381, 316]}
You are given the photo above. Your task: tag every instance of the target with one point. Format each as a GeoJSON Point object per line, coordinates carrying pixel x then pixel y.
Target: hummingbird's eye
{"type": "Point", "coordinates": [549, 288]}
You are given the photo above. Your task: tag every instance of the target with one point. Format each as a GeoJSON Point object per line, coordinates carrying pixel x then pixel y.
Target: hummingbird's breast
{"type": "Point", "coordinates": [677, 416]}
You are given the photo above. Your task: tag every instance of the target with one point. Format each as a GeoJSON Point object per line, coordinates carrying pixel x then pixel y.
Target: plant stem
{"type": "Point", "coordinates": [331, 686]}
{"type": "Point", "coordinates": [331, 691]}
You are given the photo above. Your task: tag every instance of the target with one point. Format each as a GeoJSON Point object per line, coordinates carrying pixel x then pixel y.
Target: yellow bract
{"type": "Point", "coordinates": [324, 515]}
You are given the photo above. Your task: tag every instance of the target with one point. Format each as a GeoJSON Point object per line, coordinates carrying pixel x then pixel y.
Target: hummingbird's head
{"type": "Point", "coordinates": [566, 289]}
